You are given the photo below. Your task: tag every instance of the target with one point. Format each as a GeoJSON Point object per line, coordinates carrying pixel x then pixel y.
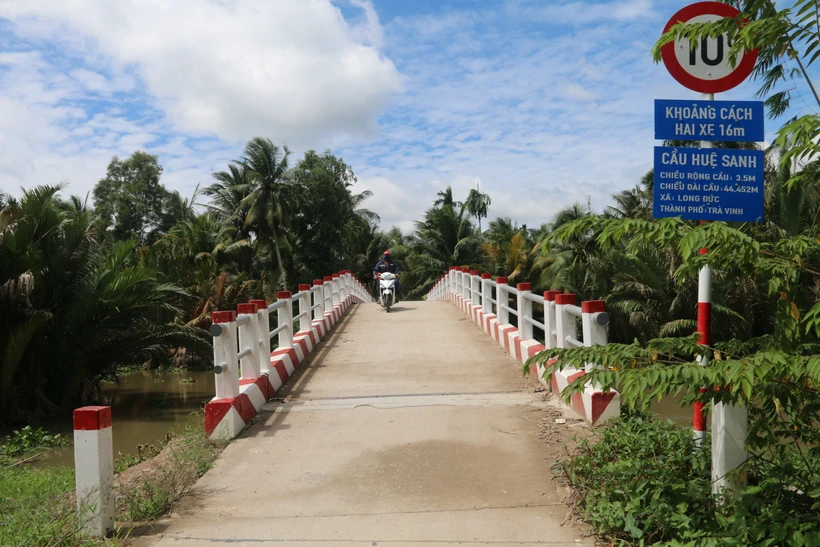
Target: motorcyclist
{"type": "Point", "coordinates": [387, 264]}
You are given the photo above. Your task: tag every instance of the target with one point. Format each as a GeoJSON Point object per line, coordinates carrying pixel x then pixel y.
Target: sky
{"type": "Point", "coordinates": [540, 103]}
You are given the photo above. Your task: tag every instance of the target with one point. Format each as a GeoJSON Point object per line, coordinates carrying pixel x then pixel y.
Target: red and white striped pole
{"type": "Point", "coordinates": [705, 331]}
{"type": "Point", "coordinates": [704, 320]}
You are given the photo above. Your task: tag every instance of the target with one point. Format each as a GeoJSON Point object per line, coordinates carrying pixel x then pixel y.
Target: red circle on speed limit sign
{"type": "Point", "coordinates": [706, 68]}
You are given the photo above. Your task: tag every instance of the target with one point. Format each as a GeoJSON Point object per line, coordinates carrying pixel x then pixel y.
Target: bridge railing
{"type": "Point", "coordinates": [258, 346]}
{"type": "Point", "coordinates": [511, 320]}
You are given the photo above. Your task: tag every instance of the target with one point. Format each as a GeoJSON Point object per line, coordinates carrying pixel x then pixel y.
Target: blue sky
{"type": "Point", "coordinates": [542, 103]}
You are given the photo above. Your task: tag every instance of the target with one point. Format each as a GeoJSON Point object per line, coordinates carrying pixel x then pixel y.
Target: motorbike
{"type": "Point", "coordinates": [387, 290]}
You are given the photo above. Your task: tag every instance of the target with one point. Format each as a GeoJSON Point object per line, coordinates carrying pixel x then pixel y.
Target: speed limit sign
{"type": "Point", "coordinates": [706, 68]}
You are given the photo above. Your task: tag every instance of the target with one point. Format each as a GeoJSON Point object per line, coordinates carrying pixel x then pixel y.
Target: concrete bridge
{"type": "Point", "coordinates": [411, 428]}
{"type": "Point", "coordinates": [366, 428]}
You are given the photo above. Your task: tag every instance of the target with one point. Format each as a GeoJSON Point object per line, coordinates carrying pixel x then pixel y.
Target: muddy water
{"type": "Point", "coordinates": [145, 407]}
{"type": "Point", "coordinates": [669, 409]}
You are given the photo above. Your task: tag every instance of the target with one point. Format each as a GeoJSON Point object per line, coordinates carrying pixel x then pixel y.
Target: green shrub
{"type": "Point", "coordinates": [643, 482]}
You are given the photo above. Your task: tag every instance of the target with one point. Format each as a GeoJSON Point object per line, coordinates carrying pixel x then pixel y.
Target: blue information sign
{"type": "Point", "coordinates": [708, 184]}
{"type": "Point", "coordinates": [729, 121]}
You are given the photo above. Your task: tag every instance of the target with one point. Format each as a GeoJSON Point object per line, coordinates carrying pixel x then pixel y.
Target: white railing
{"type": "Point", "coordinates": [243, 338]}
{"type": "Point", "coordinates": [560, 313]}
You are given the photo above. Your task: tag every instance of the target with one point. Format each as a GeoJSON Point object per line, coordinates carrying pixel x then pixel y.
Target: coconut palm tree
{"type": "Point", "coordinates": [356, 201]}
{"type": "Point", "coordinates": [267, 166]}
{"type": "Point", "coordinates": [444, 238]}
{"type": "Point", "coordinates": [445, 198]}
{"type": "Point", "coordinates": [477, 204]}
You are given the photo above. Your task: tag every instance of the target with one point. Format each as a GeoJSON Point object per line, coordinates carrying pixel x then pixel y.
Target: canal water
{"type": "Point", "coordinates": [145, 407]}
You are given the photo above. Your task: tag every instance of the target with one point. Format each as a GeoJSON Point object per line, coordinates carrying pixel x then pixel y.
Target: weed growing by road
{"type": "Point", "coordinates": [155, 490]}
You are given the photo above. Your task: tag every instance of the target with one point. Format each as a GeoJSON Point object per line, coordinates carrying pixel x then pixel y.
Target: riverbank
{"type": "Point", "coordinates": [145, 406]}
{"type": "Point", "coordinates": [37, 504]}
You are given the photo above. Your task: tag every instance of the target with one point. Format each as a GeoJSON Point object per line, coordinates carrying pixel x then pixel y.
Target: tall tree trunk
{"type": "Point", "coordinates": [283, 282]}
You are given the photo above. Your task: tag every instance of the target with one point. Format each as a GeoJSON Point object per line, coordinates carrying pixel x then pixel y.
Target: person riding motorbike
{"type": "Point", "coordinates": [387, 264]}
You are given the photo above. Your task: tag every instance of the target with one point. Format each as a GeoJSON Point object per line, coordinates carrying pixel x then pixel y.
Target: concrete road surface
{"type": "Point", "coordinates": [409, 428]}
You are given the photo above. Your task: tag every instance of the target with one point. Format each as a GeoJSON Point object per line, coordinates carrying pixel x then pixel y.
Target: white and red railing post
{"type": "Point", "coordinates": [550, 320]}
{"type": "Point", "coordinates": [524, 307]}
{"type": "Point", "coordinates": [248, 322]}
{"type": "Point", "coordinates": [303, 297]}
{"type": "Point", "coordinates": [502, 300]}
{"type": "Point", "coordinates": [564, 322]}
{"type": "Point", "coordinates": [94, 469]}
{"type": "Point", "coordinates": [335, 287]}
{"type": "Point", "coordinates": [487, 293]}
{"type": "Point", "coordinates": [263, 316]}
{"type": "Point", "coordinates": [226, 362]}
{"type": "Point", "coordinates": [285, 318]}
{"type": "Point", "coordinates": [594, 321]}
{"type": "Point", "coordinates": [318, 305]}
{"type": "Point", "coordinates": [327, 299]}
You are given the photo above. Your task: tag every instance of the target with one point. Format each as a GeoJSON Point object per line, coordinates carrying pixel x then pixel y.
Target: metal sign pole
{"type": "Point", "coordinates": [704, 320]}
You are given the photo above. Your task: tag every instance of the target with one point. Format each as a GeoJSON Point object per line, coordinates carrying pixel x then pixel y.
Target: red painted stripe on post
{"type": "Point", "coordinates": [549, 296]}
{"type": "Point", "coordinates": [223, 316]}
{"type": "Point", "coordinates": [600, 402]}
{"type": "Point", "coordinates": [245, 407]}
{"type": "Point", "coordinates": [261, 382]}
{"type": "Point", "coordinates": [215, 410]}
{"type": "Point", "coordinates": [593, 306]}
{"type": "Point", "coordinates": [92, 418]}
{"type": "Point", "coordinates": [281, 370]}
{"type": "Point", "coordinates": [248, 307]}
{"type": "Point", "coordinates": [565, 299]}
{"type": "Point", "coordinates": [303, 344]}
{"type": "Point", "coordinates": [704, 322]}
{"type": "Point", "coordinates": [699, 416]}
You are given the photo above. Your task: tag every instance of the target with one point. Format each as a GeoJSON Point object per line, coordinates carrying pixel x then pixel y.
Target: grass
{"type": "Point", "coordinates": [37, 505]}
{"type": "Point", "coordinates": [186, 458]}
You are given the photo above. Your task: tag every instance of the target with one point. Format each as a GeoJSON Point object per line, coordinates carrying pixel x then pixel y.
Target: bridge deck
{"type": "Point", "coordinates": [411, 428]}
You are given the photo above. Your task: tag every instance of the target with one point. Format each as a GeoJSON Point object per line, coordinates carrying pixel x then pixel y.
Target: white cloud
{"type": "Point", "coordinates": [575, 91]}
{"type": "Point", "coordinates": [235, 69]}
{"type": "Point", "coordinates": [83, 80]}
{"type": "Point", "coordinates": [394, 204]}
{"type": "Point", "coordinates": [571, 13]}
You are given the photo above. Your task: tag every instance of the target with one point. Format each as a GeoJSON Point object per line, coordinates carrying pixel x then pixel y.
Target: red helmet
{"type": "Point", "coordinates": [388, 253]}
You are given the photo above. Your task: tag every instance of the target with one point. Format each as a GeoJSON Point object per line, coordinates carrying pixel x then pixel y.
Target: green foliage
{"type": "Point", "coordinates": [130, 202]}
{"type": "Point", "coordinates": [445, 237]}
{"type": "Point", "coordinates": [643, 482]}
{"type": "Point", "coordinates": [26, 440]}
{"type": "Point", "coordinates": [73, 310]}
